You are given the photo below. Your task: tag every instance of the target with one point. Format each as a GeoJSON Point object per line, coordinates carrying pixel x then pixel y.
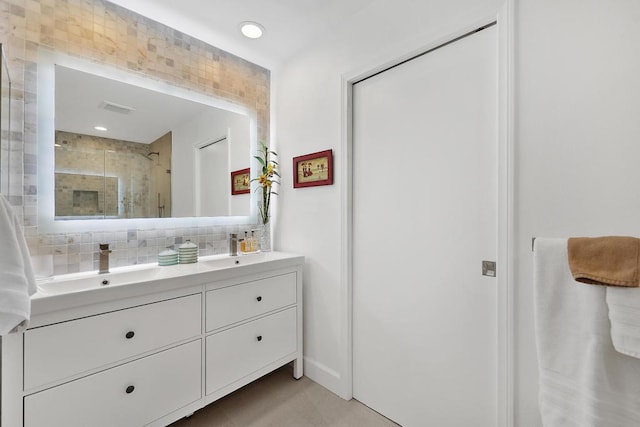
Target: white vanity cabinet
{"type": "Point", "coordinates": [150, 353]}
{"type": "Point", "coordinates": [59, 351]}
{"type": "Point", "coordinates": [255, 325]}
{"type": "Point", "coordinates": [132, 394]}
{"type": "Point", "coordinates": [232, 304]}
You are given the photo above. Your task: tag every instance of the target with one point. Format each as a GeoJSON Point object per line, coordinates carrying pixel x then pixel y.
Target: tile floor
{"type": "Point", "coordinates": [278, 400]}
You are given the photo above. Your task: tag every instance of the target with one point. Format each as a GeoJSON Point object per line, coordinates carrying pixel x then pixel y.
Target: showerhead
{"type": "Point", "coordinates": [148, 156]}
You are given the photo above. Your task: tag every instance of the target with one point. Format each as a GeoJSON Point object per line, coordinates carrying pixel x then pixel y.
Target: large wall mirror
{"type": "Point", "coordinates": [118, 147]}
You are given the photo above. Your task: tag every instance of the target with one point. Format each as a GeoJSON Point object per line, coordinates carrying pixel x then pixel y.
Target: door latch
{"type": "Point", "coordinates": [489, 268]}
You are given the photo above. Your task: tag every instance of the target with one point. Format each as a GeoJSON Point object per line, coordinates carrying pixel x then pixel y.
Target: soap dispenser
{"type": "Point", "coordinates": [244, 243]}
{"type": "Point", "coordinates": [254, 242]}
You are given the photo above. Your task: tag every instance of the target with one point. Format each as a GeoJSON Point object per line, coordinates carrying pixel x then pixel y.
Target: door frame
{"type": "Point", "coordinates": [504, 19]}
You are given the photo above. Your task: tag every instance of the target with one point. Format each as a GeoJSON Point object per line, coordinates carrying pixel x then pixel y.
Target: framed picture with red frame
{"type": "Point", "coordinates": [313, 169]}
{"type": "Point", "coordinates": [240, 181]}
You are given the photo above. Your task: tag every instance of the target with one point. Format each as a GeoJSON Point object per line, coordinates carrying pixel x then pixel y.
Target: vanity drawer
{"type": "Point", "coordinates": [65, 349]}
{"type": "Point", "coordinates": [237, 352]}
{"type": "Point", "coordinates": [133, 394]}
{"type": "Point", "coordinates": [236, 303]}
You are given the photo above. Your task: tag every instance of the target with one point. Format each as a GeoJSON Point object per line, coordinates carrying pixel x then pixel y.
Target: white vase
{"type": "Point", "coordinates": [265, 237]}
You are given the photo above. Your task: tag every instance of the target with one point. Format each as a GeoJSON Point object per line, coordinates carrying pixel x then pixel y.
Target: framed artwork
{"type": "Point", "coordinates": [313, 169]}
{"type": "Point", "coordinates": [240, 181]}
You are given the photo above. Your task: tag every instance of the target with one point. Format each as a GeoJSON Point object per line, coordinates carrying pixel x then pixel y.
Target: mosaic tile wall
{"type": "Point", "coordinates": [69, 141]}
{"type": "Point", "coordinates": [74, 252]}
{"type": "Point", "coordinates": [103, 32]}
{"type": "Point", "coordinates": [5, 101]}
{"type": "Point", "coordinates": [94, 155]}
{"type": "Point", "coordinates": [161, 165]}
{"type": "Point", "coordinates": [84, 195]}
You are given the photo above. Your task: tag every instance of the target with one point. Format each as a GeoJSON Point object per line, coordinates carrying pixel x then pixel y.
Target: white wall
{"type": "Point", "coordinates": [308, 119]}
{"type": "Point", "coordinates": [576, 145]}
{"type": "Point", "coordinates": [212, 179]}
{"type": "Point", "coordinates": [210, 125]}
{"type": "Point", "coordinates": [577, 140]}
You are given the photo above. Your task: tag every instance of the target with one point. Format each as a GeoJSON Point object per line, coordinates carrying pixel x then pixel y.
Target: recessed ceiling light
{"type": "Point", "coordinates": [250, 29]}
{"type": "Point", "coordinates": [102, 128]}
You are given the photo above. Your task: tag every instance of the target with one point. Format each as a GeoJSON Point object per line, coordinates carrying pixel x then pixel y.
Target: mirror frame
{"type": "Point", "coordinates": [47, 60]}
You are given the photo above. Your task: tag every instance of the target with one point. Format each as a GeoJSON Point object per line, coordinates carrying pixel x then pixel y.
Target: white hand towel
{"type": "Point", "coordinates": [584, 381]}
{"type": "Point", "coordinates": [17, 282]}
{"type": "Point", "coordinates": [624, 314]}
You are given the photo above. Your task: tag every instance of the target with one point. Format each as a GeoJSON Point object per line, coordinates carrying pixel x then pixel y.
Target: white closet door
{"type": "Point", "coordinates": [425, 217]}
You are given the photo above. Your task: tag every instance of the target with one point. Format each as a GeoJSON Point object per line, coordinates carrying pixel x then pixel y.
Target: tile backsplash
{"type": "Point", "coordinates": [102, 32]}
{"type": "Point", "coordinates": [75, 252]}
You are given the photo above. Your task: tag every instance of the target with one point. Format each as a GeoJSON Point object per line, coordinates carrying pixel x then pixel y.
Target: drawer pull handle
{"type": "Point", "coordinates": [130, 335]}
{"type": "Point", "coordinates": [259, 299]}
{"type": "Point", "coordinates": [130, 389]}
{"type": "Point", "coordinates": [259, 338]}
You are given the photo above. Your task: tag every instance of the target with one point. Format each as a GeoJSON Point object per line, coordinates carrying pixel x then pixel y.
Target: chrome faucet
{"type": "Point", "coordinates": [233, 244]}
{"type": "Point", "coordinates": [104, 258]}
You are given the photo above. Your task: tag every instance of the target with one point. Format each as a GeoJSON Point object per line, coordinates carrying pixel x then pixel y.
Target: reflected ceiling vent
{"type": "Point", "coordinates": [116, 108]}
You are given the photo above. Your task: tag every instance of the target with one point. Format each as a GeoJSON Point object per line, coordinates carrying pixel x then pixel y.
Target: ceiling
{"type": "Point", "coordinates": [290, 24]}
{"type": "Point", "coordinates": [81, 97]}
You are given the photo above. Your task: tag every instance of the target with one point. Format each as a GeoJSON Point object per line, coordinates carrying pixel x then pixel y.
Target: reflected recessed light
{"type": "Point", "coordinates": [250, 29]}
{"type": "Point", "coordinates": [102, 128]}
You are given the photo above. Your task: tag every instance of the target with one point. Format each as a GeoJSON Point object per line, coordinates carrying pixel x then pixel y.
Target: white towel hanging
{"type": "Point", "coordinates": [584, 381]}
{"type": "Point", "coordinates": [17, 282]}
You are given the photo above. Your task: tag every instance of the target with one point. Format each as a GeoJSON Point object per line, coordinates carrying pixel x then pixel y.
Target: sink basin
{"type": "Point", "coordinates": [216, 263]}
{"type": "Point", "coordinates": [88, 281]}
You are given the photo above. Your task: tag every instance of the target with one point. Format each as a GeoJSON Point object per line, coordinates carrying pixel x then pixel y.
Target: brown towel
{"type": "Point", "coordinates": [610, 261]}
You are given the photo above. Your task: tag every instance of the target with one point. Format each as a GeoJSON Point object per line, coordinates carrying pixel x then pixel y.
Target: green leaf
{"type": "Point", "coordinates": [260, 160]}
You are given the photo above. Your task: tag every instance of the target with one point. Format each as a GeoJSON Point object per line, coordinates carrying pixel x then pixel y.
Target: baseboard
{"type": "Point", "coordinates": [323, 375]}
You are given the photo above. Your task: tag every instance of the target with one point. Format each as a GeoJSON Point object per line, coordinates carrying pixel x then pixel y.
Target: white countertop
{"type": "Point", "coordinates": [70, 290]}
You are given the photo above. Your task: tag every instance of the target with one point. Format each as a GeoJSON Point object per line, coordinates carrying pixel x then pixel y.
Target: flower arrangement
{"type": "Point", "coordinates": [266, 180]}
